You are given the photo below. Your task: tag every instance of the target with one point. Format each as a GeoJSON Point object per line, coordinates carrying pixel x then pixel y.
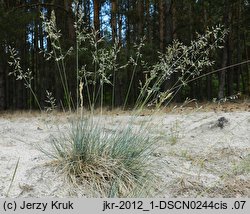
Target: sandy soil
{"type": "Point", "coordinates": [200, 153]}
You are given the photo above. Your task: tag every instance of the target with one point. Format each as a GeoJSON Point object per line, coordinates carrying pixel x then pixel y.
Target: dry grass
{"type": "Point", "coordinates": [173, 108]}
{"type": "Point", "coordinates": [229, 188]}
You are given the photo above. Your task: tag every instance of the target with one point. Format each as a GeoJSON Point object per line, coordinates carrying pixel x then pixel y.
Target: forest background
{"type": "Point", "coordinates": [125, 22]}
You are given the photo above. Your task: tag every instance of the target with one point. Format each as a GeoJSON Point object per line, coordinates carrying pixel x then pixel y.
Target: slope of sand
{"type": "Point", "coordinates": [197, 157]}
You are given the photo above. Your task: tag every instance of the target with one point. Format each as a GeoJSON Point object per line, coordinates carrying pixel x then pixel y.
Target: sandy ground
{"type": "Point", "coordinates": [201, 155]}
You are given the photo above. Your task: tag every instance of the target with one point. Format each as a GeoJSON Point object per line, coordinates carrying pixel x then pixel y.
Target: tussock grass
{"type": "Point", "coordinates": [117, 164]}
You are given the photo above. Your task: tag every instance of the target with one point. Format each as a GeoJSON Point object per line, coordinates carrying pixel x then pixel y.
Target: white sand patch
{"type": "Point", "coordinates": [197, 155]}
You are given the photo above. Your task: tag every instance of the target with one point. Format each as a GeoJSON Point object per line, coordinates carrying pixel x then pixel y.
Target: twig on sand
{"type": "Point", "coordinates": [13, 177]}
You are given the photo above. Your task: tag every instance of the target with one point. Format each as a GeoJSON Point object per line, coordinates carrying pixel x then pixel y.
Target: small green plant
{"type": "Point", "coordinates": [243, 166]}
{"type": "Point", "coordinates": [117, 164]}
{"type": "Point", "coordinates": [174, 133]}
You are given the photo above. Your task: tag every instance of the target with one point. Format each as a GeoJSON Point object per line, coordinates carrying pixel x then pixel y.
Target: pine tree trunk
{"type": "Point", "coordinates": [239, 50]}
{"type": "Point", "coordinates": [224, 62]}
{"type": "Point", "coordinates": [148, 22]}
{"type": "Point", "coordinates": [168, 17]}
{"type": "Point", "coordinates": [113, 19]}
{"type": "Point", "coordinates": [161, 23]}
{"type": "Point", "coordinates": [247, 66]}
{"type": "Point", "coordinates": [70, 20]}
{"type": "Point", "coordinates": [222, 75]}
{"type": "Point", "coordinates": [1, 88]}
{"type": "Point", "coordinates": [140, 12]}
{"type": "Point", "coordinates": [174, 20]}
{"type": "Point", "coordinates": [193, 86]}
{"type": "Point", "coordinates": [97, 15]}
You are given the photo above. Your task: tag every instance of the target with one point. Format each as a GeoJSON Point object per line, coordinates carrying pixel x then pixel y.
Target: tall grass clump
{"type": "Point", "coordinates": [114, 163]}
{"type": "Point", "coordinates": [118, 163]}
{"type": "Point", "coordinates": [111, 164]}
